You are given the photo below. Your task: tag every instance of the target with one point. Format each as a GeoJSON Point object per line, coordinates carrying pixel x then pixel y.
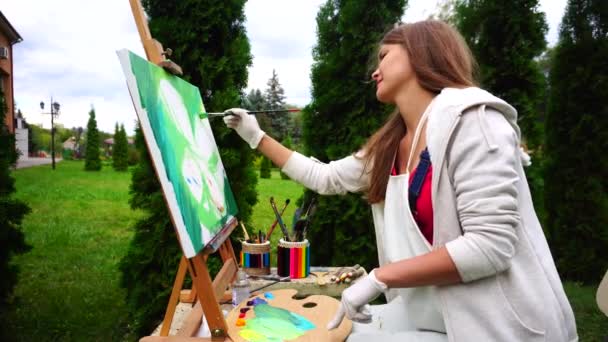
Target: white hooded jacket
{"type": "Point", "coordinates": [483, 214]}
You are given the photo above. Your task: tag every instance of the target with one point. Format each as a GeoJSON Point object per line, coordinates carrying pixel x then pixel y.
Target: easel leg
{"type": "Point", "coordinates": [173, 300]}
{"type": "Point", "coordinates": [210, 302]}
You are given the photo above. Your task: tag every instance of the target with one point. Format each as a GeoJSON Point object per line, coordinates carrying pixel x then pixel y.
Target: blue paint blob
{"type": "Point", "coordinates": [268, 295]}
{"type": "Point", "coordinates": [257, 301]}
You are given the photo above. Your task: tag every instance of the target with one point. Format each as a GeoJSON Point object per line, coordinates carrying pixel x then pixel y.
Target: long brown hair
{"type": "Point", "coordinates": [439, 58]}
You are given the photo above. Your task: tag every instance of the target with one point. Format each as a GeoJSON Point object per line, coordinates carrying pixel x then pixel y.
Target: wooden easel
{"type": "Point", "coordinates": [196, 266]}
{"type": "Point", "coordinates": [207, 293]}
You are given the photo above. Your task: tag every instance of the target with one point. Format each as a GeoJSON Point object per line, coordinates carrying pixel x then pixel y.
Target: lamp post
{"type": "Point", "coordinates": [54, 111]}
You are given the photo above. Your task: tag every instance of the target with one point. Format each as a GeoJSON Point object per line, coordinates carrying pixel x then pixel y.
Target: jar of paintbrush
{"type": "Point", "coordinates": [293, 251]}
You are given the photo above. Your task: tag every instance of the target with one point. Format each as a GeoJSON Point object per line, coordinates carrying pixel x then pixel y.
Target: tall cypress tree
{"type": "Point", "coordinates": [213, 50]}
{"type": "Point", "coordinates": [209, 43]}
{"type": "Point", "coordinates": [92, 160]}
{"type": "Point", "coordinates": [576, 182]}
{"type": "Point", "coordinates": [151, 262]}
{"type": "Point", "coordinates": [343, 113]}
{"type": "Point", "coordinates": [275, 99]}
{"type": "Point", "coordinates": [12, 211]}
{"type": "Point", "coordinates": [120, 149]}
{"type": "Point", "coordinates": [506, 37]}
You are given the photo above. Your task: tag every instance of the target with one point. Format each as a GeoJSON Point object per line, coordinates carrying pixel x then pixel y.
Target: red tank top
{"type": "Point", "coordinates": [424, 206]}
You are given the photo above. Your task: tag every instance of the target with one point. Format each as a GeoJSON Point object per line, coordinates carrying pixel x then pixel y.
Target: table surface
{"type": "Point", "coordinates": [317, 283]}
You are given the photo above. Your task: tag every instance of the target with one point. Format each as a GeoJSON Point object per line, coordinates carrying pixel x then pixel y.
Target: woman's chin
{"type": "Point", "coordinates": [383, 98]}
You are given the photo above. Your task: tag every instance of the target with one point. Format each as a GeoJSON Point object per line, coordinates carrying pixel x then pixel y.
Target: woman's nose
{"type": "Point", "coordinates": [375, 75]}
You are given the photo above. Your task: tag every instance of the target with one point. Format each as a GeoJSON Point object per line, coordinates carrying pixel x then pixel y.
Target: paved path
{"type": "Point", "coordinates": [29, 162]}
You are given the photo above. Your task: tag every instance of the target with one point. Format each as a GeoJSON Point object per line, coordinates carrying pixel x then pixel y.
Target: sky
{"type": "Point", "coordinates": [68, 53]}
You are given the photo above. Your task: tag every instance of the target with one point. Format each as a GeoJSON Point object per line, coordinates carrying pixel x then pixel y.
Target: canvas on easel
{"type": "Point", "coordinates": [183, 152]}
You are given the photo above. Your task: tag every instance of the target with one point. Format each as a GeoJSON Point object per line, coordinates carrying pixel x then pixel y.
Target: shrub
{"type": "Point", "coordinates": [12, 212]}
{"type": "Point", "coordinates": [265, 167]}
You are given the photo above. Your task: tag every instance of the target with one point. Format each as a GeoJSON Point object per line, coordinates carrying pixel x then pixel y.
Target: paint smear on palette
{"type": "Point", "coordinates": [272, 324]}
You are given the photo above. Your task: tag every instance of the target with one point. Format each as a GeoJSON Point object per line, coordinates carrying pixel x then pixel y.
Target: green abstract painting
{"type": "Point", "coordinates": [183, 152]}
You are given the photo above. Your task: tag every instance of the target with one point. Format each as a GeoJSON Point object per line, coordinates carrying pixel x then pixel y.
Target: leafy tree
{"type": "Point", "coordinates": [36, 139]}
{"type": "Point", "coordinates": [92, 160]}
{"type": "Point", "coordinates": [275, 99]}
{"type": "Point", "coordinates": [255, 100]}
{"type": "Point", "coordinates": [576, 186]}
{"type": "Point", "coordinates": [348, 33]}
{"type": "Point", "coordinates": [120, 149]}
{"type": "Point", "coordinates": [295, 126]}
{"type": "Point", "coordinates": [445, 10]}
{"type": "Point", "coordinates": [213, 50]}
{"type": "Point", "coordinates": [265, 167]}
{"type": "Point", "coordinates": [506, 47]}
{"type": "Point", "coordinates": [12, 211]}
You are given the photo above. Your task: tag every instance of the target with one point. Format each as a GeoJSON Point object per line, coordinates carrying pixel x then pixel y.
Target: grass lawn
{"type": "Point", "coordinates": [263, 215]}
{"type": "Point", "coordinates": [591, 323]}
{"type": "Point", "coordinates": [68, 287]}
{"type": "Point", "coordinates": [79, 228]}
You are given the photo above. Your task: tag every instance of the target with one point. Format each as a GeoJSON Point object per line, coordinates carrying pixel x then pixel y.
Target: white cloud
{"type": "Point", "coordinates": [68, 52]}
{"type": "Point", "coordinates": [554, 11]}
{"type": "Point", "coordinates": [282, 35]}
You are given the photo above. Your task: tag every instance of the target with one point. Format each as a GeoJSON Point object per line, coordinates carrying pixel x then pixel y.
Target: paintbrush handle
{"type": "Point", "coordinates": [254, 112]}
{"type": "Point", "coordinates": [244, 231]}
{"type": "Point", "coordinates": [279, 219]}
{"type": "Point", "coordinates": [275, 222]}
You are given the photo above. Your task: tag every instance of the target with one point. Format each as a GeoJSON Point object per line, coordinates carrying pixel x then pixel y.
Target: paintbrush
{"type": "Point", "coordinates": [310, 205]}
{"type": "Point", "coordinates": [279, 219]}
{"type": "Point", "coordinates": [296, 218]}
{"type": "Point", "coordinates": [308, 217]}
{"type": "Point", "coordinates": [245, 232]}
{"type": "Point", "coordinates": [293, 110]}
{"type": "Point", "coordinates": [298, 229]}
{"type": "Point", "coordinates": [276, 221]}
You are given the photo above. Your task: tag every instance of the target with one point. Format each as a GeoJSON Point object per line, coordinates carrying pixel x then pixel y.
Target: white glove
{"type": "Point", "coordinates": [355, 298]}
{"type": "Point", "coordinates": [245, 125]}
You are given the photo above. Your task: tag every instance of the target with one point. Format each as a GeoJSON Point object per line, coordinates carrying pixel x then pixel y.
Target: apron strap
{"type": "Point", "coordinates": [424, 164]}
{"type": "Point", "coordinates": [421, 124]}
{"type": "Point", "coordinates": [419, 175]}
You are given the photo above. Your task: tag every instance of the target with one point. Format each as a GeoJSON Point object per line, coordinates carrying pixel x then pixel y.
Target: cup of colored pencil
{"type": "Point", "coordinates": [293, 259]}
{"type": "Point", "coordinates": [255, 253]}
{"type": "Point", "coordinates": [255, 258]}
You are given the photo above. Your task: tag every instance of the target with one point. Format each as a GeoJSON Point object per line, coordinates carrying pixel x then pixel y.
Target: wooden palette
{"type": "Point", "coordinates": [316, 308]}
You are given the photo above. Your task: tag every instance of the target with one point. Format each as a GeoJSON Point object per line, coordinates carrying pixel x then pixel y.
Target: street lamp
{"type": "Point", "coordinates": [54, 111]}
